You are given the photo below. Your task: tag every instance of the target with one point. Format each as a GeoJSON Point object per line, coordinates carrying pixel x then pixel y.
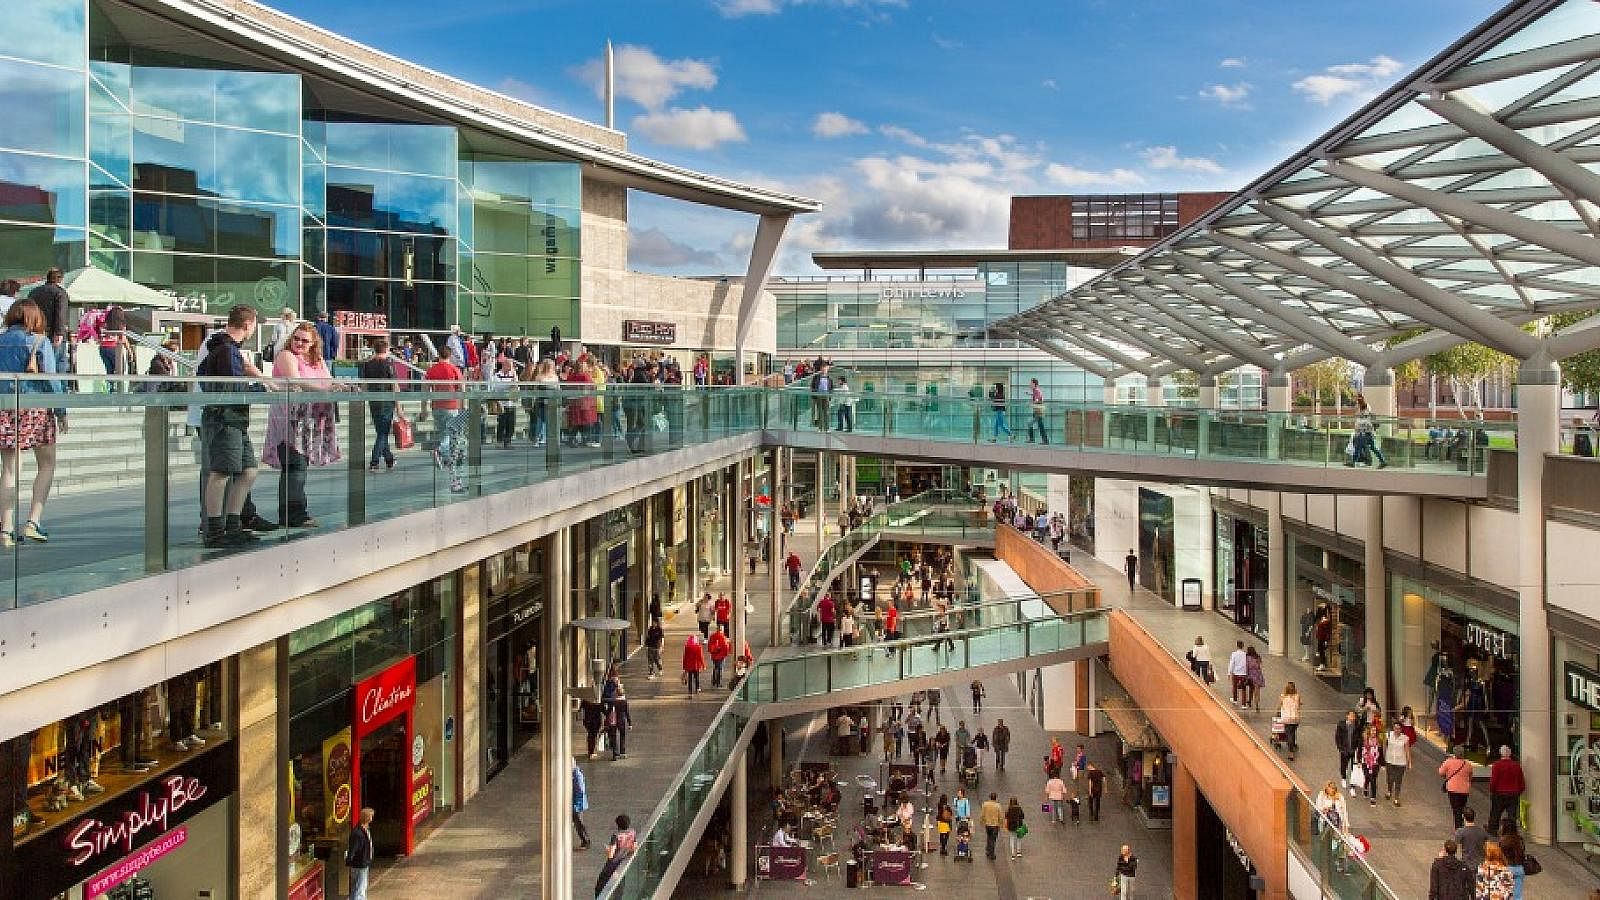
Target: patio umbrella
{"type": "Point", "coordinates": [96, 287]}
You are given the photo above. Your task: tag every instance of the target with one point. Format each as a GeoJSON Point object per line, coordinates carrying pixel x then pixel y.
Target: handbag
{"type": "Point", "coordinates": [1116, 887]}
{"type": "Point", "coordinates": [405, 436]}
{"type": "Point", "coordinates": [1530, 864]}
{"type": "Point", "coordinates": [1044, 807]}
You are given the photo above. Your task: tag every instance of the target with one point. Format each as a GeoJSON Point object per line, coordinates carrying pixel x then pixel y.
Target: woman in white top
{"type": "Point", "coordinates": [847, 628]}
{"type": "Point", "coordinates": [544, 375]}
{"type": "Point", "coordinates": [1334, 819]}
{"type": "Point", "coordinates": [1396, 759]}
{"type": "Point", "coordinates": [1289, 715]}
{"type": "Point", "coordinates": [1200, 659]}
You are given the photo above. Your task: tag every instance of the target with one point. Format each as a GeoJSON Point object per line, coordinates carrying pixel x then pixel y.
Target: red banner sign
{"type": "Point", "coordinates": [385, 696]}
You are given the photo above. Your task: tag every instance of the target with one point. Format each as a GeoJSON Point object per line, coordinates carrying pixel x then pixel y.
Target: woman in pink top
{"type": "Point", "coordinates": [300, 434]}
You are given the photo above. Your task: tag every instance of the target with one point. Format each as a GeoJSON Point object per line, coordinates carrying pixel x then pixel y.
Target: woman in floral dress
{"type": "Point", "coordinates": [299, 433]}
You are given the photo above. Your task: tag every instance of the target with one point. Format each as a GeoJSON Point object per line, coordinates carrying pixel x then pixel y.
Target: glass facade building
{"type": "Point", "coordinates": [222, 186]}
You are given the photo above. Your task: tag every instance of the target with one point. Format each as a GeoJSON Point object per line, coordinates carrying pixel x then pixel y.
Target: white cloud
{"type": "Point", "coordinates": [735, 9]}
{"type": "Point", "coordinates": [1072, 176]}
{"type": "Point", "coordinates": [646, 78]}
{"type": "Point", "coordinates": [1227, 95]}
{"type": "Point", "coordinates": [697, 129]}
{"type": "Point", "coordinates": [904, 135]}
{"type": "Point", "coordinates": [1167, 159]}
{"type": "Point", "coordinates": [1348, 79]}
{"type": "Point", "coordinates": [836, 125]}
{"type": "Point", "coordinates": [654, 248]}
{"type": "Point", "coordinates": [1049, 84]}
{"type": "Point", "coordinates": [1232, 62]}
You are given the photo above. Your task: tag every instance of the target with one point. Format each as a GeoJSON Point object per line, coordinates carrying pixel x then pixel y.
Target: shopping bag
{"type": "Point", "coordinates": [660, 421]}
{"type": "Point", "coordinates": [1357, 779]}
{"type": "Point", "coordinates": [1044, 807]}
{"type": "Point", "coordinates": [405, 436]}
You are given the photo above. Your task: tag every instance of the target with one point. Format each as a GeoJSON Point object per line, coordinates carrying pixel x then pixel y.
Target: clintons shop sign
{"type": "Point", "coordinates": [385, 696]}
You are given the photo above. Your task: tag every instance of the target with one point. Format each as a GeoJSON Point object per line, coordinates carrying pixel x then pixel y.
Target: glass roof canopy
{"type": "Point", "coordinates": [1463, 203]}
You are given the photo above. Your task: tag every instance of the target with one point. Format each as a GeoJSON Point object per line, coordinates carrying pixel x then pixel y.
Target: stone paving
{"type": "Point", "coordinates": [491, 849]}
{"type": "Point", "coordinates": [1058, 862]}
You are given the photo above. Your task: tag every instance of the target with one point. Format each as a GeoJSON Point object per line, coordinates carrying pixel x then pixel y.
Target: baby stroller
{"type": "Point", "coordinates": [971, 773]}
{"type": "Point", "coordinates": [1278, 733]}
{"type": "Point", "coordinates": [964, 839]}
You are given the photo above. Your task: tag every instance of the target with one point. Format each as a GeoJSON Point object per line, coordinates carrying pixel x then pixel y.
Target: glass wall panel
{"type": "Point", "coordinates": [418, 149]}
{"type": "Point", "coordinates": [47, 31]}
{"type": "Point", "coordinates": [26, 251]}
{"type": "Point", "coordinates": [42, 189]}
{"type": "Point", "coordinates": [111, 215]}
{"type": "Point", "coordinates": [44, 107]}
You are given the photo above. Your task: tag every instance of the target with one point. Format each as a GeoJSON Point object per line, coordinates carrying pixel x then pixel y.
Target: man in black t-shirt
{"type": "Point", "coordinates": [380, 367]}
{"type": "Point", "coordinates": [231, 465]}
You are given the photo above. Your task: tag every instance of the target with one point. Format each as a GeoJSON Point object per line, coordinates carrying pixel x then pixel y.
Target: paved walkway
{"type": "Point", "coordinates": [1405, 839]}
{"type": "Point", "coordinates": [1058, 862]}
{"type": "Point", "coordinates": [491, 849]}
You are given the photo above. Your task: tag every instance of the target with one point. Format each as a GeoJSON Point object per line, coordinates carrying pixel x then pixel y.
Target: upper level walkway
{"type": "Point", "coordinates": [125, 550]}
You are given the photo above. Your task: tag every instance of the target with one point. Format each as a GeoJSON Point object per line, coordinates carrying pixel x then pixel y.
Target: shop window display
{"type": "Point", "coordinates": [514, 598]}
{"type": "Point", "coordinates": [78, 792]}
{"type": "Point", "coordinates": [1578, 751]}
{"type": "Point", "coordinates": [1456, 664]}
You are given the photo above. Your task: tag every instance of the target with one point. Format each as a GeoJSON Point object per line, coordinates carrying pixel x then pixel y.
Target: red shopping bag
{"type": "Point", "coordinates": [404, 436]}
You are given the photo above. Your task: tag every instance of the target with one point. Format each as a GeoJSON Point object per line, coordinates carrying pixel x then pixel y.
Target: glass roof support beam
{"type": "Point", "coordinates": [1270, 311]}
{"type": "Point", "coordinates": [1408, 290]}
{"type": "Point", "coordinates": [1576, 338]}
{"type": "Point", "coordinates": [1561, 171]}
{"type": "Point", "coordinates": [1541, 59]}
{"type": "Point", "coordinates": [1244, 350]}
{"type": "Point", "coordinates": [1149, 344]}
{"type": "Point", "coordinates": [1577, 246]}
{"type": "Point", "coordinates": [769, 233]}
{"type": "Point", "coordinates": [1104, 371]}
{"type": "Point", "coordinates": [1098, 348]}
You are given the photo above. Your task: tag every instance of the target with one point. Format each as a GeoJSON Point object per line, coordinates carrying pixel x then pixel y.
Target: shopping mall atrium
{"type": "Point", "coordinates": [659, 585]}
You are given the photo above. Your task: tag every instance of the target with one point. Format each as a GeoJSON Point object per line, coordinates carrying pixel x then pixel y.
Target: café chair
{"type": "Point", "coordinates": [830, 861]}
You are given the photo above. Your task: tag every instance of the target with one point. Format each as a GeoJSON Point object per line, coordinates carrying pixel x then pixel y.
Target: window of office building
{"type": "Point", "coordinates": [1141, 217]}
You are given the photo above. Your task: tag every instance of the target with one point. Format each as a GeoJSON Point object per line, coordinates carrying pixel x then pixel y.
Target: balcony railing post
{"type": "Point", "coordinates": [475, 443]}
{"type": "Point", "coordinates": [552, 434]}
{"type": "Point", "coordinates": [156, 494]}
{"type": "Point", "coordinates": [356, 466]}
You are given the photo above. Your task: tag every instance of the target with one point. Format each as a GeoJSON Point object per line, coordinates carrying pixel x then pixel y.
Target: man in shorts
{"type": "Point", "coordinates": [231, 465]}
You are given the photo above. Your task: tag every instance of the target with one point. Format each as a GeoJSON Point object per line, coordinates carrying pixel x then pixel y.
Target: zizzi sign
{"type": "Point", "coordinates": [1581, 686]}
{"type": "Point", "coordinates": [126, 833]}
{"type": "Point", "coordinates": [384, 696]}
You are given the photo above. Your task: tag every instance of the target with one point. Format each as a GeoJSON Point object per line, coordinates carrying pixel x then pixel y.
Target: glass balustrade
{"type": "Point", "coordinates": [125, 497]}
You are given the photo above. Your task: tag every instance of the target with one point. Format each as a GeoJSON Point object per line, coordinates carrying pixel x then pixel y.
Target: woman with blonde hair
{"type": "Point", "coordinates": [25, 349]}
{"type": "Point", "coordinates": [300, 434]}
{"type": "Point", "coordinates": [1334, 818]}
{"type": "Point", "coordinates": [1289, 715]}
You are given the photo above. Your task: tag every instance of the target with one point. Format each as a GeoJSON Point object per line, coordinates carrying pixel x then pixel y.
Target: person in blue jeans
{"type": "Point", "coordinates": [358, 855]}
{"type": "Point", "coordinates": [997, 398]}
{"type": "Point", "coordinates": [380, 367]}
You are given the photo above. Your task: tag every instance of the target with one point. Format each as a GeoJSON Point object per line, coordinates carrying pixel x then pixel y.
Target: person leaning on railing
{"type": "Point", "coordinates": [26, 349]}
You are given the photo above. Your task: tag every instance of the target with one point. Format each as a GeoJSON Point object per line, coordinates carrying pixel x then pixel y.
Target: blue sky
{"type": "Point", "coordinates": [916, 120]}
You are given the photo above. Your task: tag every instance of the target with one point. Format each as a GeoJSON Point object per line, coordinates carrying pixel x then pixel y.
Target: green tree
{"type": "Point", "coordinates": [1464, 367]}
{"type": "Point", "coordinates": [1188, 384]}
{"type": "Point", "coordinates": [1325, 381]}
{"type": "Point", "coordinates": [1580, 372]}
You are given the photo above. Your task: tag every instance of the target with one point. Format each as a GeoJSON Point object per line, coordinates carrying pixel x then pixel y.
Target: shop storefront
{"type": "Point", "coordinates": [1455, 663]}
{"type": "Point", "coordinates": [130, 801]}
{"type": "Point", "coordinates": [1157, 552]}
{"type": "Point", "coordinates": [675, 547]}
{"type": "Point", "coordinates": [1328, 611]}
{"type": "Point", "coordinates": [1240, 584]}
{"type": "Point", "coordinates": [1577, 747]}
{"type": "Point", "coordinates": [616, 545]}
{"type": "Point", "coordinates": [1226, 871]}
{"type": "Point", "coordinates": [373, 712]}
{"type": "Point", "coordinates": [712, 559]}
{"type": "Point", "coordinates": [514, 598]}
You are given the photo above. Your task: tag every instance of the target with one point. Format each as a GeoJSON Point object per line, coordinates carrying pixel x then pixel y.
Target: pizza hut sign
{"type": "Point", "coordinates": [385, 696]}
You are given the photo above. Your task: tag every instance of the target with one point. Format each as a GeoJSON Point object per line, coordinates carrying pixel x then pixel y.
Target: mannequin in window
{"type": "Point", "coordinates": [1475, 705]}
{"type": "Point", "coordinates": [1503, 702]}
{"type": "Point", "coordinates": [1445, 701]}
{"type": "Point", "coordinates": [1437, 663]}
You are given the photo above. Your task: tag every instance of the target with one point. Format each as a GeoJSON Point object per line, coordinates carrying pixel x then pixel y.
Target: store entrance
{"type": "Point", "coordinates": [385, 762]}
{"type": "Point", "coordinates": [1234, 876]}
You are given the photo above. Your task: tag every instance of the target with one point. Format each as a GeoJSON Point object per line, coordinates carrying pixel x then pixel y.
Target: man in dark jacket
{"type": "Point", "coordinates": [1002, 743]}
{"type": "Point", "coordinates": [1449, 879]}
{"type": "Point", "coordinates": [52, 299]}
{"type": "Point", "coordinates": [358, 855]}
{"type": "Point", "coordinates": [330, 338]}
{"type": "Point", "coordinates": [1347, 737]}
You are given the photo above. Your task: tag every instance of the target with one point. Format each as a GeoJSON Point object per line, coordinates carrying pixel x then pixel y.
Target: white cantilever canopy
{"type": "Point", "coordinates": [1464, 202]}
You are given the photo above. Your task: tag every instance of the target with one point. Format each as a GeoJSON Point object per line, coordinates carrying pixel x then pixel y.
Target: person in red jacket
{"type": "Point", "coordinates": [694, 662]}
{"type": "Point", "coordinates": [792, 563]}
{"type": "Point", "coordinates": [826, 615]}
{"type": "Point", "coordinates": [1506, 785]}
{"type": "Point", "coordinates": [720, 648]}
{"type": "Point", "coordinates": [724, 610]}
{"type": "Point", "coordinates": [891, 626]}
